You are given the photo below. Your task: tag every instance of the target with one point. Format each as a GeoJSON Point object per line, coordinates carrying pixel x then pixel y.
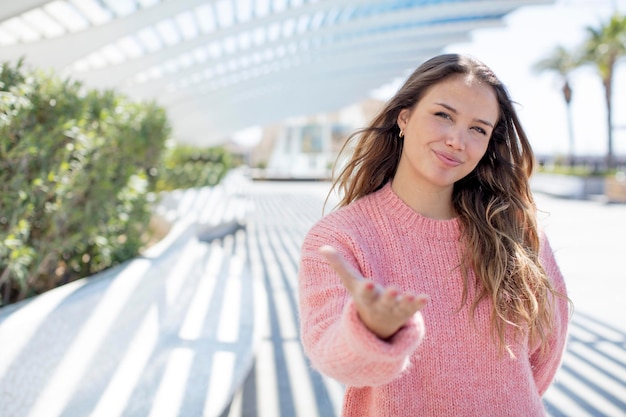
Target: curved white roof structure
{"type": "Point", "coordinates": [219, 66]}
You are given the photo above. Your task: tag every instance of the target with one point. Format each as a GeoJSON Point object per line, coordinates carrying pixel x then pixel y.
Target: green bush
{"type": "Point", "coordinates": [186, 166]}
{"type": "Point", "coordinates": [77, 168]}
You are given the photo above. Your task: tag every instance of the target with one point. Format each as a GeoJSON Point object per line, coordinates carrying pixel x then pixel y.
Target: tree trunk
{"type": "Point", "coordinates": [570, 129]}
{"type": "Point", "coordinates": [608, 87]}
{"type": "Point", "coordinates": [567, 95]}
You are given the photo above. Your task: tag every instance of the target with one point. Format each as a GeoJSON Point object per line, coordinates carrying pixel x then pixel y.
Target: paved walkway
{"type": "Point", "coordinates": [589, 240]}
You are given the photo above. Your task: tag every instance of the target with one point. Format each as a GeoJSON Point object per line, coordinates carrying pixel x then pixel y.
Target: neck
{"type": "Point", "coordinates": [431, 203]}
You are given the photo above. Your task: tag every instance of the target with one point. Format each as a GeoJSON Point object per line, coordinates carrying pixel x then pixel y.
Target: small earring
{"type": "Point", "coordinates": [401, 135]}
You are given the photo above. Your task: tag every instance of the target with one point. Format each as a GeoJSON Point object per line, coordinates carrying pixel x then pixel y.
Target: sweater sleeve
{"type": "Point", "coordinates": [546, 363]}
{"type": "Point", "coordinates": [335, 340]}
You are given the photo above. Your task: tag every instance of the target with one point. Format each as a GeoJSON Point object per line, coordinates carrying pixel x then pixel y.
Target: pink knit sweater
{"type": "Point", "coordinates": [439, 364]}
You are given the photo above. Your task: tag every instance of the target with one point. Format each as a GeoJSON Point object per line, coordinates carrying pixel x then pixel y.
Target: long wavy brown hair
{"type": "Point", "coordinates": [494, 203]}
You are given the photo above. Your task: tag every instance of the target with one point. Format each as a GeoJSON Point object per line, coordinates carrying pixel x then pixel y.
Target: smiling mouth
{"type": "Point", "coordinates": [448, 159]}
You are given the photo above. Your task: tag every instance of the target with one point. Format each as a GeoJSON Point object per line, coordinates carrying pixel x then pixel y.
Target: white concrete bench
{"type": "Point", "coordinates": [171, 333]}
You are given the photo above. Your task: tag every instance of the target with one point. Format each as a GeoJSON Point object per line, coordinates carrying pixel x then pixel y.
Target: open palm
{"type": "Point", "coordinates": [383, 310]}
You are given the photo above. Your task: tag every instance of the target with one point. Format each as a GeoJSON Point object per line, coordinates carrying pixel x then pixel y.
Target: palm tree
{"type": "Point", "coordinates": [562, 62]}
{"type": "Point", "coordinates": [604, 46]}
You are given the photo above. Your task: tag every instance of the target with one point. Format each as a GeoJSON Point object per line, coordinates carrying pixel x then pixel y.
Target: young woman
{"type": "Point", "coordinates": [431, 291]}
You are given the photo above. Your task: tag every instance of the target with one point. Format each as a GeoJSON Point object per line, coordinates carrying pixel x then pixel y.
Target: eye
{"type": "Point", "coordinates": [443, 115]}
{"type": "Point", "coordinates": [480, 130]}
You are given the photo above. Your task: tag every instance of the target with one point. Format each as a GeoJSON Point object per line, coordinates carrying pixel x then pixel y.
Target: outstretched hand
{"type": "Point", "coordinates": [383, 310]}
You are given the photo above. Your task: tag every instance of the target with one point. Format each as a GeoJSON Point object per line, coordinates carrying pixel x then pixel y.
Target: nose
{"type": "Point", "coordinates": [456, 139]}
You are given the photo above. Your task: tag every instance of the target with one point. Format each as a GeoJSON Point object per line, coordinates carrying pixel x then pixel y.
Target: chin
{"type": "Point", "coordinates": [445, 179]}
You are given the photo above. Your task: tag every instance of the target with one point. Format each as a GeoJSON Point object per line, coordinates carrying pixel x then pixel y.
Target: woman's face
{"type": "Point", "coordinates": [446, 133]}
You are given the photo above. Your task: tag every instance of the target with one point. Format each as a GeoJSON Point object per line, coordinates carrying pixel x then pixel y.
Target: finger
{"type": "Point", "coordinates": [345, 271]}
{"type": "Point", "coordinates": [390, 297]}
{"type": "Point", "coordinates": [418, 302]}
{"type": "Point", "coordinates": [367, 291]}
{"type": "Point", "coordinates": [409, 304]}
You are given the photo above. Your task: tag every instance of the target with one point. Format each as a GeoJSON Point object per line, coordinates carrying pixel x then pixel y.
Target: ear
{"type": "Point", "coordinates": [403, 118]}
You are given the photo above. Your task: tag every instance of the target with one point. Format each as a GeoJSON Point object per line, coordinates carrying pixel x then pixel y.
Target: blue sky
{"type": "Point", "coordinates": [530, 34]}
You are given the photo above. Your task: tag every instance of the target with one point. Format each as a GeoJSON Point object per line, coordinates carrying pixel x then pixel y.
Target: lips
{"type": "Point", "coordinates": [448, 159]}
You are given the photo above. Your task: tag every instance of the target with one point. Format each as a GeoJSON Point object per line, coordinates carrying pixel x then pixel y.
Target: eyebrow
{"type": "Point", "coordinates": [453, 110]}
